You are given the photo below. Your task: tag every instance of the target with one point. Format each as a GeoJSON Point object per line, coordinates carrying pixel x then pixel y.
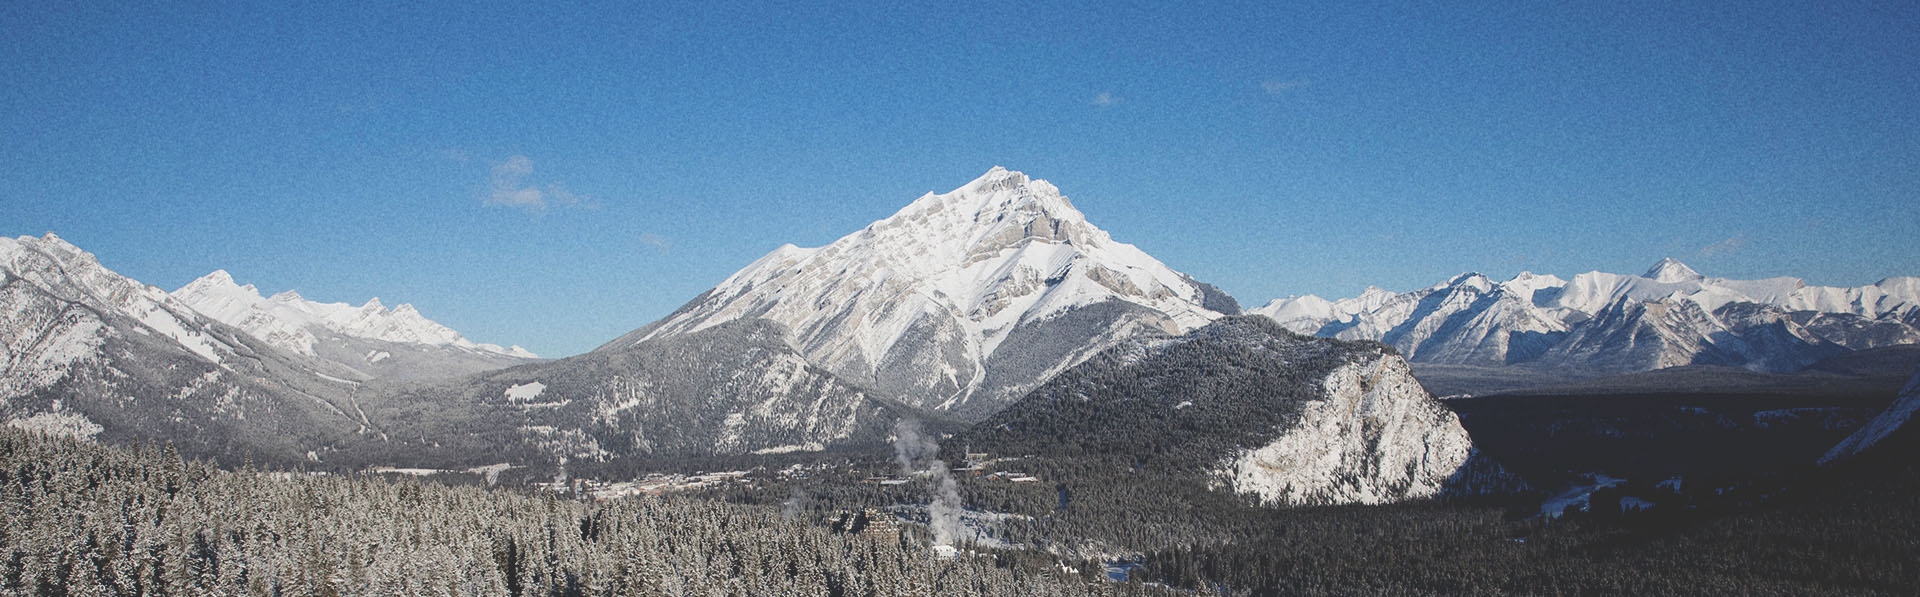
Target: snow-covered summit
{"type": "Point", "coordinates": [938, 287]}
{"type": "Point", "coordinates": [289, 321]}
{"type": "Point", "coordinates": [1672, 270]}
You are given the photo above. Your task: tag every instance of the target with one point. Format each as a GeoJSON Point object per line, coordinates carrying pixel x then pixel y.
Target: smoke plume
{"type": "Point", "coordinates": [795, 505]}
{"type": "Point", "coordinates": [913, 447]}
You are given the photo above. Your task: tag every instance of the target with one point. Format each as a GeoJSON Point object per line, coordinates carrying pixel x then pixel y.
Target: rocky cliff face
{"type": "Point", "coordinates": [1375, 437]}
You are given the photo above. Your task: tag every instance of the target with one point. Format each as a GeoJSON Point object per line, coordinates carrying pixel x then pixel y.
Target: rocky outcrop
{"type": "Point", "coordinates": [1376, 437]}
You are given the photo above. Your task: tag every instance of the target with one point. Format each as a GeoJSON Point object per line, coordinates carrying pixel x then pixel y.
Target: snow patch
{"type": "Point", "coordinates": [58, 422]}
{"type": "Point", "coordinates": [525, 392]}
{"type": "Point", "coordinates": [788, 449]}
{"type": "Point", "coordinates": [161, 320]}
{"type": "Point", "coordinates": [1580, 494]}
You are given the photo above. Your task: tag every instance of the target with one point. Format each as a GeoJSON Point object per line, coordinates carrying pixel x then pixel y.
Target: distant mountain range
{"type": "Point", "coordinates": [370, 340]}
{"type": "Point", "coordinates": [1612, 323]}
{"type": "Point", "coordinates": [996, 301]}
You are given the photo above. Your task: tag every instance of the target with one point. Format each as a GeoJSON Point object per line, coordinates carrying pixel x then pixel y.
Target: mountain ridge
{"type": "Point", "coordinates": [1609, 323]}
{"type": "Point", "coordinates": [369, 339]}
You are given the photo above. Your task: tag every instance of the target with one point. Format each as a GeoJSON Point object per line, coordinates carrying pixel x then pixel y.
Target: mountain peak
{"type": "Point", "coordinates": [920, 302]}
{"type": "Point", "coordinates": [54, 239]}
{"type": "Point", "coordinates": [996, 178]}
{"type": "Point", "coordinates": [1476, 279]}
{"type": "Point", "coordinates": [1001, 209]}
{"type": "Point", "coordinates": [218, 281]}
{"type": "Point", "coordinates": [1672, 270]}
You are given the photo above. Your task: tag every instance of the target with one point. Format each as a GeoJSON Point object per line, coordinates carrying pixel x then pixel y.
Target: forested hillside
{"type": "Point", "coordinates": [82, 519]}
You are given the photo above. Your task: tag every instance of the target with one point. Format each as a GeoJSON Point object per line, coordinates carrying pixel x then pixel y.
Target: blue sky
{"type": "Point", "coordinates": [554, 177]}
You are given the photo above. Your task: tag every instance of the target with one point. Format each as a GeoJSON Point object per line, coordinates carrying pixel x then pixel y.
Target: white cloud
{"type": "Point", "coordinates": [508, 186]}
{"type": "Point", "coordinates": [1274, 87]}
{"type": "Point", "coordinates": [656, 241]}
{"type": "Point", "coordinates": [1105, 99]}
{"type": "Point", "coordinates": [1725, 247]}
{"type": "Point", "coordinates": [561, 197]}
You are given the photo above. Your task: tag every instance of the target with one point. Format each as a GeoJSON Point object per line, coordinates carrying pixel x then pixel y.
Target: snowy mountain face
{"type": "Point", "coordinates": [1893, 419]}
{"type": "Point", "coordinates": [960, 301]}
{"type": "Point", "coordinates": [92, 353]}
{"type": "Point", "coordinates": [369, 339]}
{"type": "Point", "coordinates": [1245, 406]}
{"type": "Point", "coordinates": [1602, 322]}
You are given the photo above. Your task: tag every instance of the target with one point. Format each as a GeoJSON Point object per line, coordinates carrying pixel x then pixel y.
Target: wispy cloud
{"type": "Point", "coordinates": [1725, 247]}
{"type": "Point", "coordinates": [1277, 87]}
{"type": "Point", "coordinates": [656, 241]}
{"type": "Point", "coordinates": [454, 155]}
{"type": "Point", "coordinates": [508, 186]}
{"type": "Point", "coordinates": [1105, 99]}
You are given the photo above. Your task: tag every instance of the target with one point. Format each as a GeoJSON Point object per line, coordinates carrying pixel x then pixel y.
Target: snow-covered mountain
{"type": "Point", "coordinates": [92, 353]}
{"type": "Point", "coordinates": [962, 300]}
{"type": "Point", "coordinates": [370, 339]}
{"type": "Point", "coordinates": [1603, 322]}
{"type": "Point", "coordinates": [1244, 406]}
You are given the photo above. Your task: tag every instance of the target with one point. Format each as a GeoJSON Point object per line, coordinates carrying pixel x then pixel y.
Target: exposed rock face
{"type": "Point", "coordinates": [1896, 417]}
{"type": "Point", "coordinates": [1377, 437]}
{"type": "Point", "coordinates": [924, 305]}
{"type": "Point", "coordinates": [1243, 405]}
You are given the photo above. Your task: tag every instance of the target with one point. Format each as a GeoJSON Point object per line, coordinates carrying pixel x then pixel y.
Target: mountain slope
{"type": "Point", "coordinates": [1886, 424]}
{"type": "Point", "coordinates": [95, 354]}
{"type": "Point", "coordinates": [735, 388]}
{"type": "Point", "coordinates": [370, 339]}
{"type": "Point", "coordinates": [1246, 406]}
{"type": "Point", "coordinates": [962, 300]}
